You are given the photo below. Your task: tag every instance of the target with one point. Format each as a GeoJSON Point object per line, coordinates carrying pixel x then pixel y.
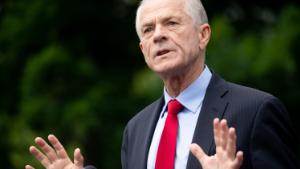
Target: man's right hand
{"type": "Point", "coordinates": [55, 156]}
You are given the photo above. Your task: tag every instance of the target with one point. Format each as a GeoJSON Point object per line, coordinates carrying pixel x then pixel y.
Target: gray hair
{"type": "Point", "coordinates": [193, 8]}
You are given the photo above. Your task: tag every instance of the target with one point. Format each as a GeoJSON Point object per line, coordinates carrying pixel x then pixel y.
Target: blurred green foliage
{"type": "Point", "coordinates": [74, 69]}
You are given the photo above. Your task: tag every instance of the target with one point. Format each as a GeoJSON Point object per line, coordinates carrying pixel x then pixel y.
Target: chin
{"type": "Point", "coordinates": [167, 70]}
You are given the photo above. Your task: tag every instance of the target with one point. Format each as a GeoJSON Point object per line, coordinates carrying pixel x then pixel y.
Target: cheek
{"type": "Point", "coordinates": [187, 40]}
{"type": "Point", "coordinates": [146, 52]}
{"type": "Point", "coordinates": [144, 48]}
{"type": "Point", "coordinates": [192, 42]}
{"type": "Point", "coordinates": [189, 47]}
{"type": "Point", "coordinates": [147, 47]}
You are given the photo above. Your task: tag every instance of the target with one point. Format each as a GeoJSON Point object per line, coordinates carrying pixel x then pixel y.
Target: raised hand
{"type": "Point", "coordinates": [226, 156]}
{"type": "Point", "coordinates": [55, 156]}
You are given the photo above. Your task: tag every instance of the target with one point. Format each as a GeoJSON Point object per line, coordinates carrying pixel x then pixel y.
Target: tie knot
{"type": "Point", "coordinates": [174, 107]}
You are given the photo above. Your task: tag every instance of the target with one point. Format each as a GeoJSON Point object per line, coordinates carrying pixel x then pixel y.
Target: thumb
{"type": "Point", "coordinates": [28, 167]}
{"type": "Point", "coordinates": [198, 152]}
{"type": "Point", "coordinates": [78, 158]}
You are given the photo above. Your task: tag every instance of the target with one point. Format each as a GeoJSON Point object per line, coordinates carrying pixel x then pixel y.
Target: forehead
{"type": "Point", "coordinates": [156, 9]}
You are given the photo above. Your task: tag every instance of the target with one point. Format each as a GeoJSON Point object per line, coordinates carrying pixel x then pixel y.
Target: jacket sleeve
{"type": "Point", "coordinates": [124, 155]}
{"type": "Point", "coordinates": [273, 142]}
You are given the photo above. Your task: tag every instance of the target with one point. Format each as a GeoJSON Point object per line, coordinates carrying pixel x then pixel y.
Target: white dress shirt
{"type": "Point", "coordinates": [191, 99]}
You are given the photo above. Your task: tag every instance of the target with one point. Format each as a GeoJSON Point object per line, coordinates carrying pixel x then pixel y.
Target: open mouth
{"type": "Point", "coordinates": [162, 52]}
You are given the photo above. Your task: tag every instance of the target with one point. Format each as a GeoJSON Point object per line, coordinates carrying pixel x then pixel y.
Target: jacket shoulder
{"type": "Point", "coordinates": [146, 113]}
{"type": "Point", "coordinates": [245, 93]}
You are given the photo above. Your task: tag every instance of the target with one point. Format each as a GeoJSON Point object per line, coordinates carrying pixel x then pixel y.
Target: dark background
{"type": "Point", "coordinates": [73, 68]}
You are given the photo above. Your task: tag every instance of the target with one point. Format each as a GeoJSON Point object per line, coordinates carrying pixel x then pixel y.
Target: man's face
{"type": "Point", "coordinates": [169, 39]}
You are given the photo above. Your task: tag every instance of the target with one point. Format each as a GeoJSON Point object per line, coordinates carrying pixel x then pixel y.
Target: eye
{"type": "Point", "coordinates": [147, 29]}
{"type": "Point", "coordinates": [172, 23]}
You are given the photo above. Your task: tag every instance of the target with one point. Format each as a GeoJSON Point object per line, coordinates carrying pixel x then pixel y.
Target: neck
{"type": "Point", "coordinates": [177, 83]}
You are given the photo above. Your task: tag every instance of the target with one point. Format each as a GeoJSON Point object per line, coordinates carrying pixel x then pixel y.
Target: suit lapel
{"type": "Point", "coordinates": [213, 106]}
{"type": "Point", "coordinates": [149, 129]}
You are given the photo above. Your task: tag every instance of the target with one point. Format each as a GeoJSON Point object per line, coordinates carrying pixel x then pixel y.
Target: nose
{"type": "Point", "coordinates": [159, 34]}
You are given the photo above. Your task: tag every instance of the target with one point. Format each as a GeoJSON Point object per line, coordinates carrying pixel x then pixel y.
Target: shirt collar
{"type": "Point", "coordinates": [191, 97]}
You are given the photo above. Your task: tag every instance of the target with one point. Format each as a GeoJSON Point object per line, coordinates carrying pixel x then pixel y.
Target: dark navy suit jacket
{"type": "Point", "coordinates": [264, 131]}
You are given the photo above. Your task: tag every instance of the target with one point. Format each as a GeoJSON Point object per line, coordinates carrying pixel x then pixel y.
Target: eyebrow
{"type": "Point", "coordinates": [170, 18]}
{"type": "Point", "coordinates": [167, 18]}
{"type": "Point", "coordinates": [146, 24]}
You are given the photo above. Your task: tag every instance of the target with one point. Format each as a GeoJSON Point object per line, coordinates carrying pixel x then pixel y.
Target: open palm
{"type": "Point", "coordinates": [226, 156]}
{"type": "Point", "coordinates": [55, 157]}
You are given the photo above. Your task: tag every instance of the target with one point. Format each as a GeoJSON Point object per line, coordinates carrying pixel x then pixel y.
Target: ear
{"type": "Point", "coordinates": [141, 45]}
{"type": "Point", "coordinates": [204, 35]}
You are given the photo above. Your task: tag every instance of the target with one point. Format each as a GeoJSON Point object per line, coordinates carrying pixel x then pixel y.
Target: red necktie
{"type": "Point", "coordinates": [167, 146]}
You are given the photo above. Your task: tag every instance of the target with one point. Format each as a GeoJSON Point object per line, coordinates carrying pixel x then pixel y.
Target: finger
{"type": "Point", "coordinates": [60, 150]}
{"type": "Point", "coordinates": [39, 156]}
{"type": "Point", "coordinates": [48, 150]}
{"type": "Point", "coordinates": [28, 167]}
{"type": "Point", "coordinates": [78, 158]}
{"type": "Point", "coordinates": [217, 132]}
{"type": "Point", "coordinates": [198, 152]}
{"type": "Point", "coordinates": [238, 160]}
{"type": "Point", "coordinates": [224, 134]}
{"type": "Point", "coordinates": [231, 146]}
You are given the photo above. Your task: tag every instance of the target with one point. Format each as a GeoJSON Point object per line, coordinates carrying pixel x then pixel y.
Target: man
{"type": "Point", "coordinates": [173, 38]}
